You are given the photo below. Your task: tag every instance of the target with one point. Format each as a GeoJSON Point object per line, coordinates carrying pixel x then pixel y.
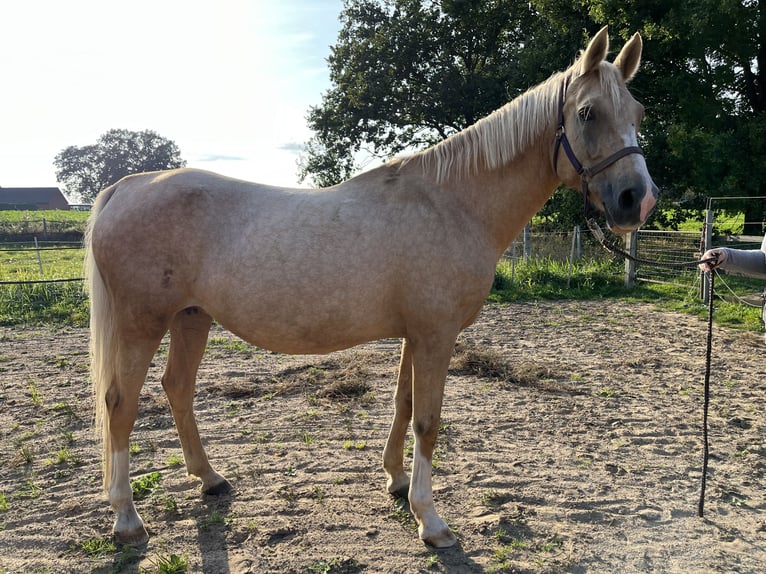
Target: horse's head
{"type": "Point", "coordinates": [598, 130]}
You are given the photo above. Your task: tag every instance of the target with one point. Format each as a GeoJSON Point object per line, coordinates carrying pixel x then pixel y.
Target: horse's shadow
{"type": "Point", "coordinates": [212, 529]}
{"type": "Point", "coordinates": [452, 559]}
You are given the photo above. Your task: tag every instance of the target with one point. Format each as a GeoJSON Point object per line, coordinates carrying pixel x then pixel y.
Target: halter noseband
{"type": "Point", "coordinates": [585, 173]}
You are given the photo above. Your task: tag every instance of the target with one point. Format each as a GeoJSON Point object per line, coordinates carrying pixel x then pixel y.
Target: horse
{"type": "Point", "coordinates": [405, 250]}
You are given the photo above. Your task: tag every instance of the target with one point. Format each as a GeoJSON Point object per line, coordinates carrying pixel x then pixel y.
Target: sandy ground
{"type": "Point", "coordinates": [575, 446]}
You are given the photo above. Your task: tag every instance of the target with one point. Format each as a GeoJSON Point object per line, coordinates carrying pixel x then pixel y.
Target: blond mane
{"type": "Point", "coordinates": [504, 134]}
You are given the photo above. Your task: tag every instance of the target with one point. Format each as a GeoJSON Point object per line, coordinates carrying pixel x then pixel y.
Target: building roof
{"type": "Point", "coordinates": [32, 198]}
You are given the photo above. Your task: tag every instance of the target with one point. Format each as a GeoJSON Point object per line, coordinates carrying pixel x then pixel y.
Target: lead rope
{"type": "Point", "coordinates": [599, 234]}
{"type": "Point", "coordinates": [706, 400]}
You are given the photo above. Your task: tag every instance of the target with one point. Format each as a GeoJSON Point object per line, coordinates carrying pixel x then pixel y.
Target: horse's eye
{"type": "Point", "coordinates": [585, 113]}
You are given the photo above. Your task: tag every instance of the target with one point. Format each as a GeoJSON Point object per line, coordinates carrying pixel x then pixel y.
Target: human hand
{"type": "Point", "coordinates": [718, 255]}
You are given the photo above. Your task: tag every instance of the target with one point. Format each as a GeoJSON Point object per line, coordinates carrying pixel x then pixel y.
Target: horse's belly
{"type": "Point", "coordinates": [298, 330]}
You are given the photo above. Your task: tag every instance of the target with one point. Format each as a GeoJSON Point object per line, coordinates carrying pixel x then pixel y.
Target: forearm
{"type": "Point", "coordinates": [751, 262]}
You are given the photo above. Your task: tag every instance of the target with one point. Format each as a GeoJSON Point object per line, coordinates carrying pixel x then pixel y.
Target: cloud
{"type": "Point", "coordinates": [293, 147]}
{"type": "Point", "coordinates": [219, 157]}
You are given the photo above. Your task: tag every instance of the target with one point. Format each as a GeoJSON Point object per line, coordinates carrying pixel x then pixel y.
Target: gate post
{"type": "Point", "coordinates": [527, 242]}
{"type": "Point", "coordinates": [707, 243]}
{"type": "Point", "coordinates": [631, 246]}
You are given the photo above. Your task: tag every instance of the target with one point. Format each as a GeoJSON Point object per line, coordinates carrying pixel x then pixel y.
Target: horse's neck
{"type": "Point", "coordinates": [504, 200]}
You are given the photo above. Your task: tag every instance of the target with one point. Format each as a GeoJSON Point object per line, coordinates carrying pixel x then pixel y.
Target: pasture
{"type": "Point", "coordinates": [570, 442]}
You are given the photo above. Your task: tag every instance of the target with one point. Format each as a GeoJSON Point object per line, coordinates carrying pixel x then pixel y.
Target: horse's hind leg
{"type": "Point", "coordinates": [188, 338]}
{"type": "Point", "coordinates": [121, 401]}
{"type": "Point", "coordinates": [393, 455]}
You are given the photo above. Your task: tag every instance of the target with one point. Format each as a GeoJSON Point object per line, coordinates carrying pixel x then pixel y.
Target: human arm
{"type": "Point", "coordinates": [751, 262]}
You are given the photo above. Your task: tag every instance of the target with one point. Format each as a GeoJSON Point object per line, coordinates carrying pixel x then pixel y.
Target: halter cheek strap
{"type": "Point", "coordinates": [585, 173]}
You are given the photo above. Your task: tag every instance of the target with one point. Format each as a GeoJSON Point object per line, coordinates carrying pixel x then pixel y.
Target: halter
{"type": "Point", "coordinates": [585, 173]}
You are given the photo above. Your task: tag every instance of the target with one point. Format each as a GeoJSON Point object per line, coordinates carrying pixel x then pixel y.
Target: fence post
{"type": "Point", "coordinates": [575, 252]}
{"type": "Point", "coordinates": [39, 259]}
{"type": "Point", "coordinates": [527, 242]}
{"type": "Point", "coordinates": [631, 246]}
{"type": "Point", "coordinates": [513, 262]}
{"type": "Point", "coordinates": [707, 243]}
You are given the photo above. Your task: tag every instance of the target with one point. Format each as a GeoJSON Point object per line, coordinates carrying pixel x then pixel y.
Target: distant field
{"type": "Point", "coordinates": [60, 256]}
{"type": "Point", "coordinates": [21, 218]}
{"type": "Point", "coordinates": [26, 225]}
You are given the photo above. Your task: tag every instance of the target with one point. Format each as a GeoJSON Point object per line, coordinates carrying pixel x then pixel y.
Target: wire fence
{"type": "Point", "coordinates": [668, 247]}
{"type": "Point", "coordinates": [39, 262]}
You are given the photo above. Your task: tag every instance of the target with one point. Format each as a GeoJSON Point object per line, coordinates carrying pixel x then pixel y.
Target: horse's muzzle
{"type": "Point", "coordinates": [629, 208]}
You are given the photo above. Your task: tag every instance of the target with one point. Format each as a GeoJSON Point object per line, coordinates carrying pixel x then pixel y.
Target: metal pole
{"type": "Point", "coordinates": [631, 246]}
{"type": "Point", "coordinates": [707, 243]}
{"type": "Point", "coordinates": [39, 259]}
{"type": "Point", "coordinates": [527, 243]}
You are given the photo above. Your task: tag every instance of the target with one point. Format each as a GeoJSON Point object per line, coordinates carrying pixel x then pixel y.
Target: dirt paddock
{"type": "Point", "coordinates": [570, 442]}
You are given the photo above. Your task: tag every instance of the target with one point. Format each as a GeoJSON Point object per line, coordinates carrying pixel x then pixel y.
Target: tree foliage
{"type": "Point", "coordinates": [407, 73]}
{"type": "Point", "coordinates": [88, 169]}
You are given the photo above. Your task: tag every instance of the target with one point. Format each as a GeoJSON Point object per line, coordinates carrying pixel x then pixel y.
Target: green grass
{"type": "Point", "coordinates": [44, 303]}
{"type": "Point", "coordinates": [145, 485]}
{"type": "Point", "coordinates": [57, 303]}
{"type": "Point", "coordinates": [541, 279]}
{"type": "Point", "coordinates": [685, 300]}
{"type": "Point", "coordinates": [548, 279]}
{"type": "Point", "coordinates": [52, 303]}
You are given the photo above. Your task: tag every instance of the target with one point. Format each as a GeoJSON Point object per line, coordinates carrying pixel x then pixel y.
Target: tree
{"type": "Point", "coordinates": [408, 73]}
{"type": "Point", "coordinates": [88, 169]}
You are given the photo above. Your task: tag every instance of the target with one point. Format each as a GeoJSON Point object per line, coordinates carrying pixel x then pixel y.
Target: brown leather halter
{"type": "Point", "coordinates": [585, 173]}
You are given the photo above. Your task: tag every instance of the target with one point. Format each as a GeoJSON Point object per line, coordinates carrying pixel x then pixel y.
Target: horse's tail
{"type": "Point", "coordinates": [102, 337]}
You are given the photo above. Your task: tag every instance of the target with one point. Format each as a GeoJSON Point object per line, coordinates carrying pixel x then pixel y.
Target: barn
{"type": "Point", "coordinates": [32, 198]}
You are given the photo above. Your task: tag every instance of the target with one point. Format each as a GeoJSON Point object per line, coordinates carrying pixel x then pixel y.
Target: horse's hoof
{"type": "Point", "coordinates": [219, 489]}
{"type": "Point", "coordinates": [399, 487]}
{"type": "Point", "coordinates": [135, 537]}
{"type": "Point", "coordinates": [441, 539]}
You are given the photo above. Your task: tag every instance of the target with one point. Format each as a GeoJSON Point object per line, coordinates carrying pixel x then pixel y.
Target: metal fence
{"type": "Point", "coordinates": [34, 262]}
{"type": "Point", "coordinates": [668, 247]}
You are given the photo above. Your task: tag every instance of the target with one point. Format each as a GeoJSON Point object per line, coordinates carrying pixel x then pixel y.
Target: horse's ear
{"type": "Point", "coordinates": [596, 51]}
{"type": "Point", "coordinates": [629, 57]}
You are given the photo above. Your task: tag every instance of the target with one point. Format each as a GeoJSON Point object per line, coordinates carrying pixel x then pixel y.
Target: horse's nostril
{"type": "Point", "coordinates": [628, 199]}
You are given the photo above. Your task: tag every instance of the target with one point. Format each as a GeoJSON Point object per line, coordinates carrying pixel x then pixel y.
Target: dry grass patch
{"type": "Point", "coordinates": [487, 363]}
{"type": "Point", "coordinates": [337, 377]}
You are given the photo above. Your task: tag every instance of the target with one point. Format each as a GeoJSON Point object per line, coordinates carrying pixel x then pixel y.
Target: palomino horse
{"type": "Point", "coordinates": [405, 250]}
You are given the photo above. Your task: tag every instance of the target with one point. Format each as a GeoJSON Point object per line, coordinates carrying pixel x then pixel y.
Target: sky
{"type": "Point", "coordinates": [229, 81]}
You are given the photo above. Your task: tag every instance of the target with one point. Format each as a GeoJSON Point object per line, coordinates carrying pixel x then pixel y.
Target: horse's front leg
{"type": "Point", "coordinates": [393, 455]}
{"type": "Point", "coordinates": [430, 365]}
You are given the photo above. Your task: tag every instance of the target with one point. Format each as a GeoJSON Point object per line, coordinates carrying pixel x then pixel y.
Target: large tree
{"type": "Point", "coordinates": [406, 73]}
{"type": "Point", "coordinates": [86, 170]}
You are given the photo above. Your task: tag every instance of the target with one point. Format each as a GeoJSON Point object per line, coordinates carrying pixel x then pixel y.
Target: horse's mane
{"type": "Point", "coordinates": [501, 136]}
